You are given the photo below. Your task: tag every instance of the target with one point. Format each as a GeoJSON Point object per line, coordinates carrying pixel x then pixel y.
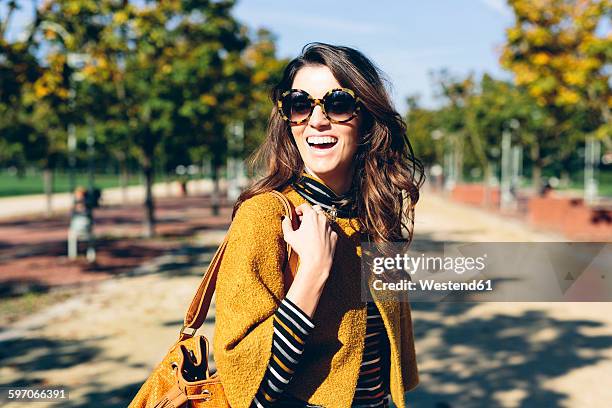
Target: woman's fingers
{"type": "Point", "coordinates": [334, 237]}
{"type": "Point", "coordinates": [303, 209]}
{"type": "Point", "coordinates": [316, 212]}
{"type": "Point", "coordinates": [314, 240]}
{"type": "Point", "coordinates": [287, 228]}
{"type": "Point", "coordinates": [306, 209]}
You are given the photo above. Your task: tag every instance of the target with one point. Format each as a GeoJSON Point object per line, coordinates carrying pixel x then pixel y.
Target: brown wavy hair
{"type": "Point", "coordinates": [387, 174]}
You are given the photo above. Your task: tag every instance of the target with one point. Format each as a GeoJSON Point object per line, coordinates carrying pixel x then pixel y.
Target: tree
{"type": "Point", "coordinates": [266, 71]}
{"type": "Point", "coordinates": [421, 124]}
{"type": "Point", "coordinates": [18, 68]}
{"type": "Point", "coordinates": [557, 54]}
{"type": "Point", "coordinates": [168, 72]}
{"type": "Point", "coordinates": [491, 110]}
{"type": "Point", "coordinates": [456, 93]}
{"type": "Point", "coordinates": [32, 99]}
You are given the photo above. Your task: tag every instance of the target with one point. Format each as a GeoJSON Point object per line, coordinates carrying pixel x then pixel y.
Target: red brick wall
{"type": "Point", "coordinates": [474, 194]}
{"type": "Point", "coordinates": [571, 217]}
{"type": "Point", "coordinates": [568, 216]}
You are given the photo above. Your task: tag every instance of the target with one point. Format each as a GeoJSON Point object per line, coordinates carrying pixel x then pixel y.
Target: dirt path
{"type": "Point", "coordinates": [506, 354]}
{"type": "Point", "coordinates": [102, 343]}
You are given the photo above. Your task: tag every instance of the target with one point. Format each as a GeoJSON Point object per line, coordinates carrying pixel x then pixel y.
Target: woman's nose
{"type": "Point", "coordinates": [318, 118]}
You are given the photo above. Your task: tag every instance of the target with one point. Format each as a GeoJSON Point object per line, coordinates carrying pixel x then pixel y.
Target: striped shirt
{"type": "Point", "coordinates": [370, 391]}
{"type": "Point", "coordinates": [291, 329]}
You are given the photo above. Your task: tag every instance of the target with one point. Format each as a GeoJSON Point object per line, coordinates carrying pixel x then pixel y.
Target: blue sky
{"type": "Point", "coordinates": [406, 39]}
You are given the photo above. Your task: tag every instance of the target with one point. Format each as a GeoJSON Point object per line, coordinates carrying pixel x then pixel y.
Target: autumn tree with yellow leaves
{"type": "Point", "coordinates": [560, 51]}
{"type": "Point", "coordinates": [159, 82]}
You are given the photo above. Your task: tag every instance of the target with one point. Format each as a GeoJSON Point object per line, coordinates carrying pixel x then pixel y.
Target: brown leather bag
{"type": "Point", "coordinates": [183, 378]}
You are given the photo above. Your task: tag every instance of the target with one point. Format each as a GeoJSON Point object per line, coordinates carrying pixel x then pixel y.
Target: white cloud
{"type": "Point", "coordinates": [499, 6]}
{"type": "Point", "coordinates": [318, 22]}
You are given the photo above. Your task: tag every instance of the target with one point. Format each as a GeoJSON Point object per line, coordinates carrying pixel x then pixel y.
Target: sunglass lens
{"type": "Point", "coordinates": [296, 106]}
{"type": "Point", "coordinates": [340, 105]}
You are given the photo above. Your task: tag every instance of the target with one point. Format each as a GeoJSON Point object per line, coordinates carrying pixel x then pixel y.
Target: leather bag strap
{"type": "Point", "coordinates": [198, 309]}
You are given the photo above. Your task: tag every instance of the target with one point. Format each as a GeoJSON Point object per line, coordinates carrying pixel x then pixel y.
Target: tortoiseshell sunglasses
{"type": "Point", "coordinates": [338, 105]}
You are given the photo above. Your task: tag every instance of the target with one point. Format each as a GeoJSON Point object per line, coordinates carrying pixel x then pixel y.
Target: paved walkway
{"type": "Point", "coordinates": [103, 342]}
{"type": "Point", "coordinates": [33, 250]}
{"type": "Point", "coordinates": [506, 354]}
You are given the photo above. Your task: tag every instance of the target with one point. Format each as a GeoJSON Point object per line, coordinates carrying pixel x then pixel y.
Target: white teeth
{"type": "Point", "coordinates": [321, 139]}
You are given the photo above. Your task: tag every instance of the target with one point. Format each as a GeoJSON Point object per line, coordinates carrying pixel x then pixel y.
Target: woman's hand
{"type": "Point", "coordinates": [315, 243]}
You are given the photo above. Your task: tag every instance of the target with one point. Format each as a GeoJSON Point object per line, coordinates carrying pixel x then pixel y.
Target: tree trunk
{"type": "Point", "coordinates": [149, 222]}
{"type": "Point", "coordinates": [565, 179]}
{"type": "Point", "coordinates": [536, 173]}
{"type": "Point", "coordinates": [216, 190]}
{"type": "Point", "coordinates": [168, 183]}
{"type": "Point", "coordinates": [487, 184]}
{"type": "Point", "coordinates": [458, 146]}
{"type": "Point", "coordinates": [123, 180]}
{"type": "Point", "coordinates": [48, 188]}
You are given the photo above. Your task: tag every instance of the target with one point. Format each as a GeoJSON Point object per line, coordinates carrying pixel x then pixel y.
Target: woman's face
{"type": "Point", "coordinates": [332, 164]}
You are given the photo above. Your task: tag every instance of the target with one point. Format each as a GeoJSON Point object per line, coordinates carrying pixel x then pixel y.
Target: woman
{"type": "Point", "coordinates": [337, 150]}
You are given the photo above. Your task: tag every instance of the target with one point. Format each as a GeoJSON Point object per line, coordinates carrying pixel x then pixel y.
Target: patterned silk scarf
{"type": "Point", "coordinates": [315, 191]}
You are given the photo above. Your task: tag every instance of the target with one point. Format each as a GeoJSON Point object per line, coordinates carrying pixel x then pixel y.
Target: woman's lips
{"type": "Point", "coordinates": [323, 149]}
{"type": "Point", "coordinates": [321, 142]}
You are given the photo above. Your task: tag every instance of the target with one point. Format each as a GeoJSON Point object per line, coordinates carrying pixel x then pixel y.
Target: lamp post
{"type": "Point", "coordinates": [591, 161]}
{"type": "Point", "coordinates": [436, 170]}
{"type": "Point", "coordinates": [450, 161]}
{"type": "Point", "coordinates": [235, 166]}
{"type": "Point", "coordinates": [509, 160]}
{"type": "Point", "coordinates": [506, 197]}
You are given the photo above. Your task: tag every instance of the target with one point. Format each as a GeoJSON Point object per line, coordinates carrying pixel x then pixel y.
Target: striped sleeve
{"type": "Point", "coordinates": [291, 329]}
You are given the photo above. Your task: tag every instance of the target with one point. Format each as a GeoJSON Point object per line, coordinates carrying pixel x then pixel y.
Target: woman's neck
{"type": "Point", "coordinates": [338, 185]}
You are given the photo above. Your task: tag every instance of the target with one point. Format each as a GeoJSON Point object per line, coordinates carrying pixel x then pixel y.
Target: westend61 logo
{"type": "Point", "coordinates": [488, 271]}
{"type": "Point", "coordinates": [412, 264]}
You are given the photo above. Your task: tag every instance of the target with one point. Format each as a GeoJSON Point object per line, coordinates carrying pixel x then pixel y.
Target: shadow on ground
{"type": "Point", "coordinates": [483, 360]}
{"type": "Point", "coordinates": [480, 359]}
{"type": "Point", "coordinates": [31, 360]}
{"type": "Point", "coordinates": [31, 357]}
{"type": "Point", "coordinates": [473, 361]}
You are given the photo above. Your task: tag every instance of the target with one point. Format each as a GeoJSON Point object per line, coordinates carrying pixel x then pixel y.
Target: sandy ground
{"type": "Point", "coordinates": [103, 343]}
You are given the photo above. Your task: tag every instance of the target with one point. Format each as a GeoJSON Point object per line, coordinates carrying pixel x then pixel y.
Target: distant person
{"type": "Point", "coordinates": [80, 223]}
{"type": "Point", "coordinates": [80, 205]}
{"type": "Point", "coordinates": [183, 183]}
{"type": "Point", "coordinates": [546, 189]}
{"type": "Point", "coordinates": [337, 149]}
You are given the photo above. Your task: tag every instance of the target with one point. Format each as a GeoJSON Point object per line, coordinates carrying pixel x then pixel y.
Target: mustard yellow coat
{"type": "Point", "coordinates": [249, 290]}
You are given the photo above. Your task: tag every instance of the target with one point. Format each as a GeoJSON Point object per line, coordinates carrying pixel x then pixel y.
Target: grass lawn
{"type": "Point", "coordinates": [604, 181]}
{"type": "Point", "coordinates": [17, 307]}
{"type": "Point", "coordinates": [11, 185]}
{"type": "Point", "coordinates": [576, 184]}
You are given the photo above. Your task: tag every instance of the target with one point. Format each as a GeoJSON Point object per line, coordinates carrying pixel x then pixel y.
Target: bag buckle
{"type": "Point", "coordinates": [190, 331]}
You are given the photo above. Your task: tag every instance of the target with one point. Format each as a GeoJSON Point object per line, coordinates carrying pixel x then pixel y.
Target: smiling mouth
{"type": "Point", "coordinates": [321, 142]}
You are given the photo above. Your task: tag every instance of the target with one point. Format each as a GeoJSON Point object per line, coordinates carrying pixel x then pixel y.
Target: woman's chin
{"type": "Point", "coordinates": [322, 169]}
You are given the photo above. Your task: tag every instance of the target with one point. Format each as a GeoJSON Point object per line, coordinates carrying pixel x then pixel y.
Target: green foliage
{"type": "Point", "coordinates": [475, 113]}
{"type": "Point", "coordinates": [560, 51]}
{"type": "Point", "coordinates": [160, 82]}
